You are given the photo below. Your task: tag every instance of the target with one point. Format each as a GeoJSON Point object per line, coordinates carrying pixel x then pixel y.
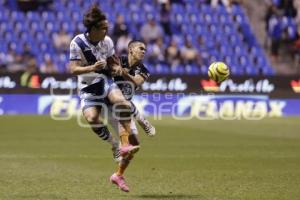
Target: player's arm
{"type": "Point", "coordinates": [137, 80]}
{"type": "Point", "coordinates": [77, 69]}
{"type": "Point", "coordinates": [112, 60]}
{"type": "Point", "coordinates": [114, 63]}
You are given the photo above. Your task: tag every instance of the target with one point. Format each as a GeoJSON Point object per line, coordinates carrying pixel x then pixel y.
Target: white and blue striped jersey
{"type": "Point", "coordinates": [81, 49]}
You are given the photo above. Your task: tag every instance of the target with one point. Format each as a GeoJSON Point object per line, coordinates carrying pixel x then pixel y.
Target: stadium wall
{"type": "Point", "coordinates": [190, 106]}
{"type": "Point", "coordinates": [183, 97]}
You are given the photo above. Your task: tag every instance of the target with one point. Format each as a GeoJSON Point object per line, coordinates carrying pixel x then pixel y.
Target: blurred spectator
{"type": "Point", "coordinates": [151, 31]}
{"type": "Point", "coordinates": [202, 49]}
{"type": "Point", "coordinates": [275, 33]}
{"type": "Point", "coordinates": [271, 11]}
{"type": "Point", "coordinates": [32, 66]}
{"type": "Point", "coordinates": [165, 21]}
{"type": "Point", "coordinates": [163, 1]}
{"type": "Point", "coordinates": [120, 28]}
{"type": "Point", "coordinates": [27, 53]}
{"type": "Point", "coordinates": [177, 2]}
{"type": "Point", "coordinates": [122, 44]}
{"type": "Point", "coordinates": [236, 2]}
{"type": "Point", "coordinates": [281, 27]}
{"type": "Point", "coordinates": [27, 5]}
{"type": "Point", "coordinates": [156, 52]}
{"type": "Point", "coordinates": [3, 63]}
{"type": "Point", "coordinates": [17, 65]}
{"type": "Point", "coordinates": [76, 32]}
{"type": "Point", "coordinates": [296, 44]}
{"type": "Point", "coordinates": [62, 41]}
{"type": "Point", "coordinates": [189, 54]}
{"type": "Point", "coordinates": [6, 59]}
{"type": "Point", "coordinates": [48, 67]}
{"type": "Point", "coordinates": [297, 6]}
{"type": "Point", "coordinates": [287, 6]}
{"type": "Point", "coordinates": [172, 54]}
{"type": "Point", "coordinates": [215, 3]}
{"type": "Point", "coordinates": [226, 3]}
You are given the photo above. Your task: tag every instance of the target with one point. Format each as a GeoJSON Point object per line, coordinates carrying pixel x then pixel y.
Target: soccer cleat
{"type": "Point", "coordinates": [128, 150]}
{"type": "Point", "coordinates": [119, 181]}
{"type": "Point", "coordinates": [116, 153]}
{"type": "Point", "coordinates": [148, 128]}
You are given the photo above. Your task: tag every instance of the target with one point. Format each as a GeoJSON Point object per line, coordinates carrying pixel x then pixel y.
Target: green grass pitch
{"type": "Point", "coordinates": [205, 160]}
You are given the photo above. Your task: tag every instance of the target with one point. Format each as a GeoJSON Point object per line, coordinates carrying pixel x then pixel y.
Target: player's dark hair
{"type": "Point", "coordinates": [134, 42]}
{"type": "Point", "coordinates": [92, 17]}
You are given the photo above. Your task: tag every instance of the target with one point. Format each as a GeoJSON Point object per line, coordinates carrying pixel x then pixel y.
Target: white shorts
{"type": "Point", "coordinates": [116, 125]}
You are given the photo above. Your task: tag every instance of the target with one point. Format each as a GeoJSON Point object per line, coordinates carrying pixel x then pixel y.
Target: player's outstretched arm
{"type": "Point", "coordinates": [77, 69]}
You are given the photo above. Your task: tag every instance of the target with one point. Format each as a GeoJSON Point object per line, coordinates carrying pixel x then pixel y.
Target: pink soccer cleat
{"type": "Point", "coordinates": [126, 151]}
{"type": "Point", "coordinates": [119, 181]}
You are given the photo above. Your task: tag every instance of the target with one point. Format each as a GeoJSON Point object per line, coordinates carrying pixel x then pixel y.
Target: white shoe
{"type": "Point", "coordinates": [148, 128]}
{"type": "Point", "coordinates": [116, 153]}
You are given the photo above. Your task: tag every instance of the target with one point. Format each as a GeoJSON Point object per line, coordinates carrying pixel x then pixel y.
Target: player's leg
{"type": "Point", "coordinates": [122, 110]}
{"type": "Point", "coordinates": [118, 177]}
{"type": "Point", "coordinates": [91, 114]}
{"type": "Point", "coordinates": [114, 123]}
{"type": "Point", "coordinates": [133, 137]}
{"type": "Point", "coordinates": [133, 140]}
{"type": "Point", "coordinates": [142, 121]}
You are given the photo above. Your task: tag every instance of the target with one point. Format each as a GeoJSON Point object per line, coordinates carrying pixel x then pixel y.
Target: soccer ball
{"type": "Point", "coordinates": [218, 71]}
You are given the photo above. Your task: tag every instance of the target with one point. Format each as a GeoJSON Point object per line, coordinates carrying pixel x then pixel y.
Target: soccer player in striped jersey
{"type": "Point", "coordinates": [133, 75]}
{"type": "Point", "coordinates": [92, 58]}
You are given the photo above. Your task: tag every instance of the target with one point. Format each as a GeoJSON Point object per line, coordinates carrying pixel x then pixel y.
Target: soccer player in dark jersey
{"type": "Point", "coordinates": [92, 58]}
{"type": "Point", "coordinates": [136, 73]}
{"type": "Point", "coordinates": [133, 75]}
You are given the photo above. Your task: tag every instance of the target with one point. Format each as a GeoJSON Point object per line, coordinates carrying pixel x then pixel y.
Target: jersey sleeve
{"type": "Point", "coordinates": [111, 48]}
{"type": "Point", "coordinates": [75, 51]}
{"type": "Point", "coordinates": [144, 72]}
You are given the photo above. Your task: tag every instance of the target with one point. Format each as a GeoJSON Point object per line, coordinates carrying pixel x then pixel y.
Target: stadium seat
{"type": "Point", "coordinates": [177, 8]}
{"type": "Point", "coordinates": [191, 9]}
{"type": "Point", "coordinates": [192, 69]}
{"type": "Point", "coordinates": [206, 9]}
{"type": "Point", "coordinates": [179, 69]}
{"type": "Point", "coordinates": [221, 10]}
{"type": "Point", "coordinates": [250, 70]}
{"type": "Point", "coordinates": [17, 16]}
{"type": "Point", "coordinates": [268, 71]}
{"type": "Point", "coordinates": [203, 69]}
{"type": "Point", "coordinates": [162, 69]}
{"type": "Point", "coordinates": [237, 10]}
{"type": "Point", "coordinates": [32, 16]}
{"type": "Point", "coordinates": [48, 16]}
{"type": "Point", "coordinates": [20, 26]}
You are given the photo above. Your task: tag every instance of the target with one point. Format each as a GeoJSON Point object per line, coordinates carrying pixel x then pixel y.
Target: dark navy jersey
{"type": "Point", "coordinates": [127, 87]}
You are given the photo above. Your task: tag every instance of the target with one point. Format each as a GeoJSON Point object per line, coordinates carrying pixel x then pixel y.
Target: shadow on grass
{"type": "Point", "coordinates": [168, 196]}
{"type": "Point", "coordinates": [38, 196]}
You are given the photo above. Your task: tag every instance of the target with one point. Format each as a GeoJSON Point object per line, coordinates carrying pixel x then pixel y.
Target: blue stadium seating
{"type": "Point", "coordinates": [227, 36]}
